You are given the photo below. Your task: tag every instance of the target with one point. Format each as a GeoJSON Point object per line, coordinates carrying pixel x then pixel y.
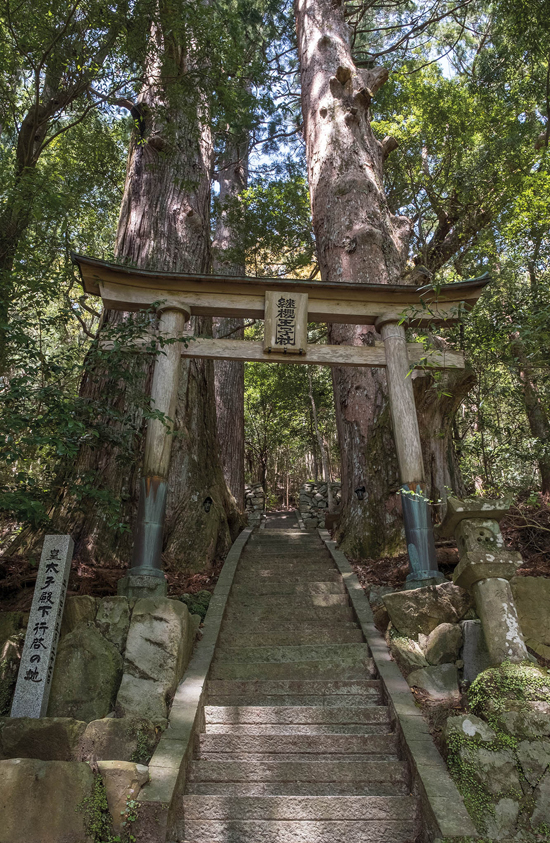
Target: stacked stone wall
{"type": "Point", "coordinates": [313, 502]}
{"type": "Point", "coordinates": [254, 501]}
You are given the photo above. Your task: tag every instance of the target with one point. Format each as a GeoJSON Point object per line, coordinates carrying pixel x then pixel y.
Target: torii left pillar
{"type": "Point", "coordinates": [145, 578]}
{"type": "Point", "coordinates": [416, 508]}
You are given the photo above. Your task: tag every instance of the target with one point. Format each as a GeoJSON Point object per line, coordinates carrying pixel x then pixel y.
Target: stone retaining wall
{"type": "Point", "coordinates": [314, 503]}
{"type": "Point", "coordinates": [254, 502]}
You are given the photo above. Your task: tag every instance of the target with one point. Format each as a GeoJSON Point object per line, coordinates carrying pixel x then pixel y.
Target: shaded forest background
{"type": "Point", "coordinates": [467, 109]}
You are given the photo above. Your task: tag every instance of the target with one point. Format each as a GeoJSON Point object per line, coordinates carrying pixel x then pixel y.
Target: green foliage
{"type": "Point", "coordinates": [489, 692]}
{"type": "Point", "coordinates": [197, 603]}
{"type": "Point", "coordinates": [98, 821]}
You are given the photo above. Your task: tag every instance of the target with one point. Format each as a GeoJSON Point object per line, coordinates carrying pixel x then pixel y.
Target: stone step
{"type": "Point", "coordinates": [197, 807]}
{"type": "Point", "coordinates": [315, 635]}
{"type": "Point", "coordinates": [299, 653]}
{"type": "Point", "coordinates": [342, 691]}
{"type": "Point", "coordinates": [282, 587]}
{"type": "Point", "coordinates": [350, 668]}
{"type": "Point", "coordinates": [303, 744]}
{"type": "Point", "coordinates": [329, 614]}
{"type": "Point", "coordinates": [303, 771]}
{"type": "Point", "coordinates": [299, 831]}
{"type": "Point", "coordinates": [298, 788]}
{"type": "Point", "coordinates": [298, 729]}
{"type": "Point", "coordinates": [297, 700]}
{"type": "Point", "coordinates": [266, 574]}
{"type": "Point", "coordinates": [294, 715]}
{"type": "Point", "coordinates": [294, 757]}
{"type": "Point", "coordinates": [275, 602]}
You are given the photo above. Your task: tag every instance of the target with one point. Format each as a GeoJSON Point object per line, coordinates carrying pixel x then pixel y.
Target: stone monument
{"type": "Point", "coordinates": [485, 569]}
{"type": "Point", "coordinates": [37, 662]}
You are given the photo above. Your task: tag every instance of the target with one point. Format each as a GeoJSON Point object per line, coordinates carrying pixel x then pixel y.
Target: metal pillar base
{"type": "Point", "coordinates": [420, 539]}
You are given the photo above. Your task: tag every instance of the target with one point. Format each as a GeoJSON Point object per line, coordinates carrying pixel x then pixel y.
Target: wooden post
{"type": "Point", "coordinates": [416, 509]}
{"type": "Point", "coordinates": [145, 577]}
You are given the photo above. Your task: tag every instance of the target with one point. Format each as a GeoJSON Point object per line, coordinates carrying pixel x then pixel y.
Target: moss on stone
{"type": "Point", "coordinates": [493, 687]}
{"type": "Point", "coordinates": [197, 603]}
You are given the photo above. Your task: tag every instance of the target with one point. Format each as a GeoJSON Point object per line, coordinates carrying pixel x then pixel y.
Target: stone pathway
{"type": "Point", "coordinates": [298, 746]}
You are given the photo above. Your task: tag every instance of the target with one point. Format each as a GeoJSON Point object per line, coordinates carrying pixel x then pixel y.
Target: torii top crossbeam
{"type": "Point", "coordinates": [128, 288]}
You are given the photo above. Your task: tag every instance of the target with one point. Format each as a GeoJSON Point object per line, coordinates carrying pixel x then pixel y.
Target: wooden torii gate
{"type": "Point", "coordinates": [286, 305]}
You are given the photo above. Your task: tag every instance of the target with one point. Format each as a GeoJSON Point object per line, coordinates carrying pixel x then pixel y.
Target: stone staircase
{"type": "Point", "coordinates": [298, 745]}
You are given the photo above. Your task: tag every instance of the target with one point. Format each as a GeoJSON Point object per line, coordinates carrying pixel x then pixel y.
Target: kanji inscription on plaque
{"type": "Point", "coordinates": [285, 322]}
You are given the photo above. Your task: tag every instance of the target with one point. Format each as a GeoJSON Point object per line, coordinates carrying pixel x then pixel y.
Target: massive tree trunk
{"type": "Point", "coordinates": [537, 416]}
{"type": "Point", "coordinates": [229, 376]}
{"type": "Point", "coordinates": [163, 224]}
{"type": "Point", "coordinates": [358, 239]}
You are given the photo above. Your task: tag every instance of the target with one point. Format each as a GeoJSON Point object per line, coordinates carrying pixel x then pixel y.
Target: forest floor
{"type": "Point", "coordinates": [526, 528]}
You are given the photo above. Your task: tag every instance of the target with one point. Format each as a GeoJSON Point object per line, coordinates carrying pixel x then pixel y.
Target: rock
{"type": "Point", "coordinates": [377, 594]}
{"type": "Point", "coordinates": [534, 757]}
{"type": "Point", "coordinates": [121, 738]}
{"type": "Point", "coordinates": [474, 650]}
{"type": "Point", "coordinates": [87, 675]}
{"type": "Point", "coordinates": [524, 723]}
{"type": "Point", "coordinates": [469, 726]}
{"type": "Point", "coordinates": [495, 771]}
{"type": "Point", "coordinates": [158, 648]}
{"type": "Point", "coordinates": [407, 654]}
{"type": "Point", "coordinates": [39, 801]}
{"type": "Point", "coordinates": [47, 738]}
{"type": "Point", "coordinates": [444, 643]}
{"type": "Point", "coordinates": [422, 609]}
{"type": "Point", "coordinates": [502, 825]}
{"type": "Point", "coordinates": [12, 624]}
{"type": "Point", "coordinates": [541, 814]}
{"type": "Point", "coordinates": [123, 780]}
{"type": "Point", "coordinates": [440, 682]}
{"type": "Point", "coordinates": [113, 620]}
{"type": "Point", "coordinates": [78, 610]}
{"type": "Point", "coordinates": [532, 599]}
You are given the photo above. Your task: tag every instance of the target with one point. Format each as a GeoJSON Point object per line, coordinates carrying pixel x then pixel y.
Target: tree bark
{"type": "Point", "coordinates": [163, 224]}
{"type": "Point", "coordinates": [358, 239]}
{"type": "Point", "coordinates": [537, 417]}
{"type": "Point", "coordinates": [229, 376]}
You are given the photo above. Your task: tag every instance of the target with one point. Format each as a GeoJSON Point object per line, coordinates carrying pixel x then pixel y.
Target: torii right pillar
{"type": "Point", "coordinates": [416, 507]}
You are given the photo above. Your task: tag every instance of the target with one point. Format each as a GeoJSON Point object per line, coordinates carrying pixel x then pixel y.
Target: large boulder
{"type": "Point", "coordinates": [158, 648]}
{"type": "Point", "coordinates": [11, 624]}
{"type": "Point", "coordinates": [494, 770]}
{"type": "Point", "coordinates": [534, 757]}
{"type": "Point", "coordinates": [87, 675]}
{"type": "Point", "coordinates": [119, 738]}
{"type": "Point", "coordinates": [541, 814]}
{"type": "Point", "coordinates": [407, 654]}
{"type": "Point", "coordinates": [113, 620]}
{"type": "Point", "coordinates": [532, 599]}
{"type": "Point", "coordinates": [39, 801]}
{"type": "Point", "coordinates": [439, 682]}
{"type": "Point", "coordinates": [521, 721]}
{"type": "Point", "coordinates": [444, 643]}
{"type": "Point", "coordinates": [469, 726]}
{"type": "Point", "coordinates": [47, 738]}
{"type": "Point", "coordinates": [123, 781]}
{"type": "Point", "coordinates": [77, 610]}
{"type": "Point", "coordinates": [422, 609]}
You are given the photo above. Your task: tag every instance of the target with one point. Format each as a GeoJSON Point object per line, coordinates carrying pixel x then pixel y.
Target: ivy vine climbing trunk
{"type": "Point", "coordinates": [229, 375]}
